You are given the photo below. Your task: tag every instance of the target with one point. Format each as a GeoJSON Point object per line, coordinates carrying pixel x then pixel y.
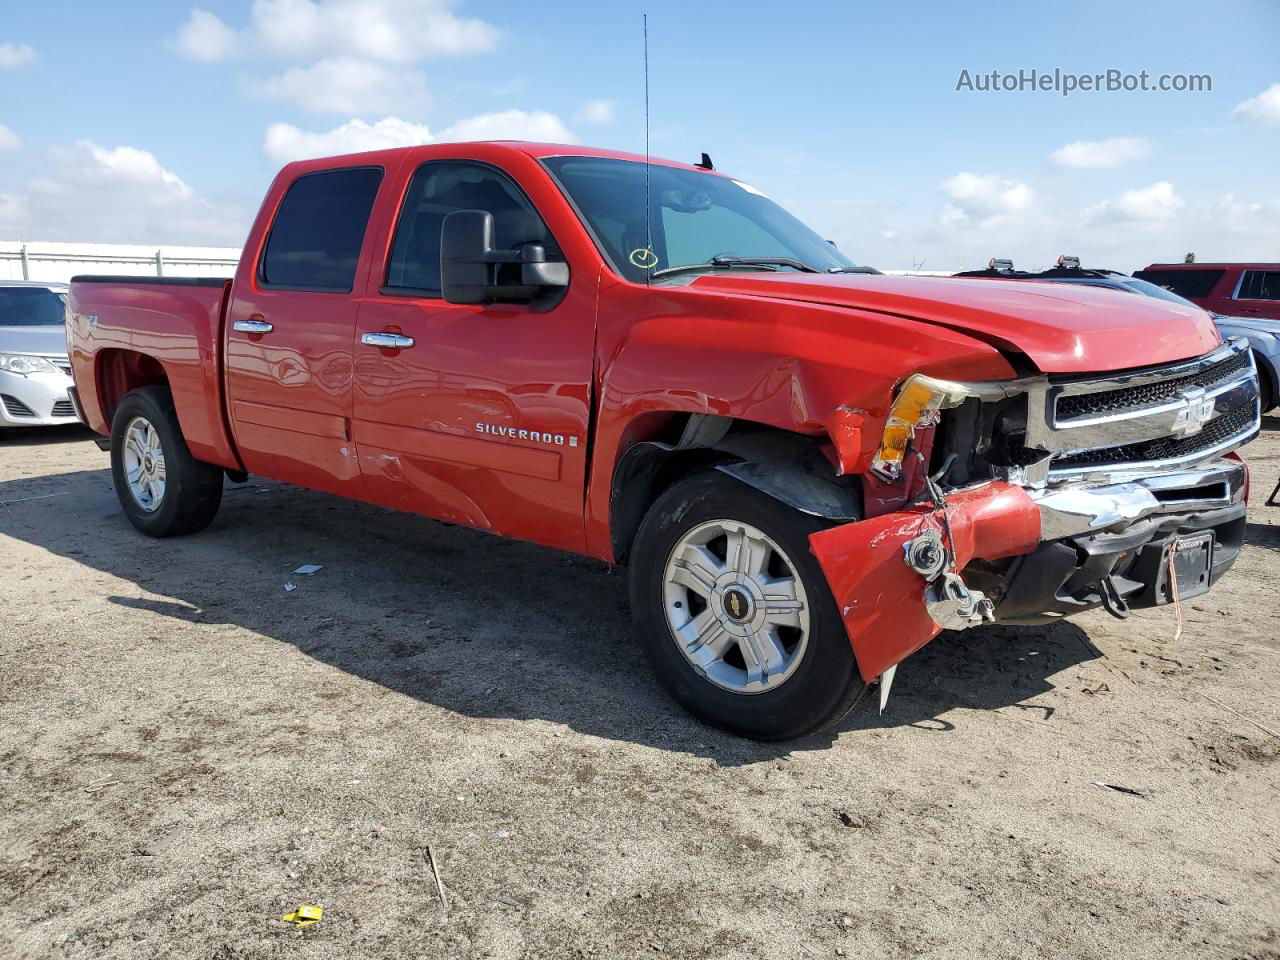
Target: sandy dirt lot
{"type": "Point", "coordinates": [188, 751]}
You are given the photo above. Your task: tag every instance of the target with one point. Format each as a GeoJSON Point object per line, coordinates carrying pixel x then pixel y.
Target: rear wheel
{"type": "Point", "coordinates": [734, 613]}
{"type": "Point", "coordinates": [164, 490]}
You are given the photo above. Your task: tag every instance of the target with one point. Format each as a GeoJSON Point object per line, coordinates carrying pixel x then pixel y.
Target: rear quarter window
{"type": "Point", "coordinates": [1185, 283]}
{"type": "Point", "coordinates": [1260, 285]}
{"type": "Point", "coordinates": [315, 240]}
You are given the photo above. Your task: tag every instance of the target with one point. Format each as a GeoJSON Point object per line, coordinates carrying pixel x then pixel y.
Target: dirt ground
{"type": "Point", "coordinates": [189, 751]}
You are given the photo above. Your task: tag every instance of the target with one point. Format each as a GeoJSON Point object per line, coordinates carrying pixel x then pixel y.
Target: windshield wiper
{"type": "Point", "coordinates": [728, 263]}
{"type": "Point", "coordinates": [854, 270]}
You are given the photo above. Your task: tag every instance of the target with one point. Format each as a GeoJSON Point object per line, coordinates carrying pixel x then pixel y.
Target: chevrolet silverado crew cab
{"type": "Point", "coordinates": [811, 470]}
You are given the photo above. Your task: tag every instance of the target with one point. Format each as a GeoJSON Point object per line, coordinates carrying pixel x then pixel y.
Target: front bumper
{"type": "Point", "coordinates": [1119, 530]}
{"type": "Point", "coordinates": [1035, 554]}
{"type": "Point", "coordinates": [36, 400]}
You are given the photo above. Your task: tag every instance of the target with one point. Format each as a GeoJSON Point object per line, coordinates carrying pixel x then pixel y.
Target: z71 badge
{"type": "Point", "coordinates": [533, 436]}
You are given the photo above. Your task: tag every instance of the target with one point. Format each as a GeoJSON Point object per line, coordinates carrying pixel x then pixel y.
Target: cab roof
{"type": "Point", "coordinates": [464, 149]}
{"type": "Point", "coordinates": [1247, 265]}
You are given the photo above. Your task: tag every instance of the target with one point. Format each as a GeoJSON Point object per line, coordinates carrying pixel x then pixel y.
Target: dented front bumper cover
{"type": "Point", "coordinates": [1020, 554]}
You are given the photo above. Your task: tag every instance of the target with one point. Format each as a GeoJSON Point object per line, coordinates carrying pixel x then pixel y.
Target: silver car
{"type": "Point", "coordinates": [35, 373]}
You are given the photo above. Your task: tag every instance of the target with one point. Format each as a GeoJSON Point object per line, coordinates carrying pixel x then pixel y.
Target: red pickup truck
{"type": "Point", "coordinates": [810, 469]}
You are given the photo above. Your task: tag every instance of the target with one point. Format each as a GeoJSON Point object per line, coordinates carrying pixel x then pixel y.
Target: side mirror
{"type": "Point", "coordinates": [472, 271]}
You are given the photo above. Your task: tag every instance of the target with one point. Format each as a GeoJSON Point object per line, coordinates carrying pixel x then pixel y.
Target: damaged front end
{"type": "Point", "coordinates": [1048, 496]}
{"type": "Point", "coordinates": [898, 578]}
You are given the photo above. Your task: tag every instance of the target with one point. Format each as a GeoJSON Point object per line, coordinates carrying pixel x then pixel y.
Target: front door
{"type": "Point", "coordinates": [480, 414]}
{"type": "Point", "coordinates": [290, 330]}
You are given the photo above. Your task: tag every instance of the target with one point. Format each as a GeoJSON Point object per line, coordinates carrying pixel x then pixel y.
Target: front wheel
{"type": "Point", "coordinates": [734, 613]}
{"type": "Point", "coordinates": [165, 492]}
{"type": "Point", "coordinates": [1266, 387]}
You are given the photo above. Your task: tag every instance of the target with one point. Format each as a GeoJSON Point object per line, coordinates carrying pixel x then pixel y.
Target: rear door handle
{"type": "Point", "coordinates": [387, 341]}
{"type": "Point", "coordinates": [252, 326]}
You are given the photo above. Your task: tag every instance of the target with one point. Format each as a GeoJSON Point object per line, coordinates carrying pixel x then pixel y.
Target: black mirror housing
{"type": "Point", "coordinates": [472, 271]}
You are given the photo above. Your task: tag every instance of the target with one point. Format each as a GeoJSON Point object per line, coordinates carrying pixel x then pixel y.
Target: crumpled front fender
{"type": "Point", "coordinates": [881, 599]}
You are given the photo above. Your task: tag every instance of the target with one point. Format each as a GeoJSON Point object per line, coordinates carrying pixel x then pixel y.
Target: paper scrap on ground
{"type": "Point", "coordinates": [305, 915]}
{"type": "Point", "coordinates": [307, 569]}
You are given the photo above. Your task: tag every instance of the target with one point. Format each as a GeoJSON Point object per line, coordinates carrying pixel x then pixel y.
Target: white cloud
{"type": "Point", "coordinates": [1126, 232]}
{"type": "Point", "coordinates": [1264, 108]}
{"type": "Point", "coordinates": [986, 199]}
{"type": "Point", "coordinates": [510, 125]}
{"type": "Point", "coordinates": [597, 111]}
{"type": "Point", "coordinates": [1154, 204]}
{"type": "Point", "coordinates": [388, 31]}
{"type": "Point", "coordinates": [121, 166]}
{"type": "Point", "coordinates": [14, 215]}
{"type": "Point", "coordinates": [120, 194]}
{"type": "Point", "coordinates": [348, 86]}
{"type": "Point", "coordinates": [205, 38]}
{"type": "Point", "coordinates": [1101, 154]}
{"type": "Point", "coordinates": [9, 141]}
{"type": "Point", "coordinates": [16, 55]}
{"type": "Point", "coordinates": [285, 142]}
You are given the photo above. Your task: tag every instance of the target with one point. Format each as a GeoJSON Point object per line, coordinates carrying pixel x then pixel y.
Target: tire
{"type": "Point", "coordinates": [812, 679]}
{"type": "Point", "coordinates": [165, 492]}
{"type": "Point", "coordinates": [1266, 386]}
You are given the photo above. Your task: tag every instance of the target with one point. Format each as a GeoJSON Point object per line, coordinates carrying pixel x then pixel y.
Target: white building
{"type": "Point", "coordinates": [33, 260]}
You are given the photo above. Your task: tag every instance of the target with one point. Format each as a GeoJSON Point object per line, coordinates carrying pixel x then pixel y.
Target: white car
{"type": "Point", "coordinates": [35, 373]}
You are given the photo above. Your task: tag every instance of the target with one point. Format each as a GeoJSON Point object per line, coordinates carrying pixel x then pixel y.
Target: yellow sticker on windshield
{"type": "Point", "coordinates": [644, 258]}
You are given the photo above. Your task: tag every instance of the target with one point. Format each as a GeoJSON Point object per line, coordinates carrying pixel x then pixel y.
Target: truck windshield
{"type": "Point", "coordinates": [31, 307]}
{"type": "Point", "coordinates": [693, 218]}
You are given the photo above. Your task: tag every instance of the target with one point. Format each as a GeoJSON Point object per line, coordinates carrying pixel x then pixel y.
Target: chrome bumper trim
{"type": "Point", "coordinates": [1072, 509]}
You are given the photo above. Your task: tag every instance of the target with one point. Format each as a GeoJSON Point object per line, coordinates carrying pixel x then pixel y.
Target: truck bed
{"type": "Point", "coordinates": [170, 329]}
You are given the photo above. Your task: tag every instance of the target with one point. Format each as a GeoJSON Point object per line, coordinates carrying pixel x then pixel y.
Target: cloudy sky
{"type": "Point", "coordinates": [153, 121]}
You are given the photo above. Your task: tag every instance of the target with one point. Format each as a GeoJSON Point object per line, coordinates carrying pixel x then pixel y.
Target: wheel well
{"type": "Point", "coordinates": [1268, 384]}
{"type": "Point", "coordinates": [122, 371]}
{"type": "Point", "coordinates": [788, 466]}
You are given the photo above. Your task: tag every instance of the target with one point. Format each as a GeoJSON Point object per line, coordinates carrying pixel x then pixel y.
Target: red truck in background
{"type": "Point", "coordinates": [811, 470]}
{"type": "Point", "coordinates": [1248, 290]}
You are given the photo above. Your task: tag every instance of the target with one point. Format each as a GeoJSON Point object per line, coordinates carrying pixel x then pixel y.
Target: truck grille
{"type": "Point", "coordinates": [1236, 423]}
{"type": "Point", "coordinates": [1083, 405]}
{"type": "Point", "coordinates": [1149, 419]}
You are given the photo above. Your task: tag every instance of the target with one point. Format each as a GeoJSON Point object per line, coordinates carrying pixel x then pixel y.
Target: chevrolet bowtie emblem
{"type": "Point", "coordinates": [1198, 411]}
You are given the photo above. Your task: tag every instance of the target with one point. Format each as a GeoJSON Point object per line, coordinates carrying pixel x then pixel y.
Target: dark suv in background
{"type": "Point", "coordinates": [1262, 333]}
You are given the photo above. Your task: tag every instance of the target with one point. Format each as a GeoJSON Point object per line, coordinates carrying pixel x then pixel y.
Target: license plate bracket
{"type": "Point", "coordinates": [1192, 565]}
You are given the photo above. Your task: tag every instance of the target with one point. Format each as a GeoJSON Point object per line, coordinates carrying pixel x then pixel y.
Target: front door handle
{"type": "Point", "coordinates": [387, 341]}
{"type": "Point", "coordinates": [252, 326]}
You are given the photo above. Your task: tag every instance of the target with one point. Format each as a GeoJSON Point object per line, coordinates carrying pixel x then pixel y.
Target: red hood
{"type": "Point", "coordinates": [1062, 328]}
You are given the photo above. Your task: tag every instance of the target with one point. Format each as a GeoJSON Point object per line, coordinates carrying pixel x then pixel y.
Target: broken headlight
{"type": "Point", "coordinates": [916, 405]}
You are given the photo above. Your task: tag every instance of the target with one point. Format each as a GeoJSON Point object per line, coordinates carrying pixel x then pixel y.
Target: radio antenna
{"type": "Point", "coordinates": [648, 207]}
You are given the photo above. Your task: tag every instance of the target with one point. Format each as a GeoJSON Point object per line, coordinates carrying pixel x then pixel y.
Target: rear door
{"type": "Point", "coordinates": [290, 329]}
{"type": "Point", "coordinates": [482, 417]}
{"type": "Point", "coordinates": [1258, 295]}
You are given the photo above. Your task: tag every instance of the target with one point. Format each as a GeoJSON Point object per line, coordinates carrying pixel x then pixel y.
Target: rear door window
{"type": "Point", "coordinates": [1260, 285]}
{"type": "Point", "coordinates": [1185, 283]}
{"type": "Point", "coordinates": [315, 240]}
